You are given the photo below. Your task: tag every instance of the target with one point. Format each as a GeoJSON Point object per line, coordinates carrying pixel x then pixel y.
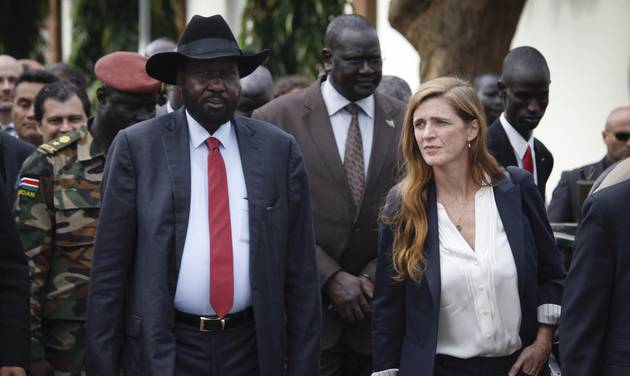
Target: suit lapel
{"type": "Point", "coordinates": [318, 125]}
{"type": "Point", "coordinates": [432, 249]}
{"type": "Point", "coordinates": [252, 162]}
{"type": "Point", "coordinates": [176, 147]}
{"type": "Point", "coordinates": [542, 164]}
{"type": "Point", "coordinates": [508, 199]}
{"type": "Point", "coordinates": [383, 142]}
{"type": "Point", "coordinates": [506, 155]}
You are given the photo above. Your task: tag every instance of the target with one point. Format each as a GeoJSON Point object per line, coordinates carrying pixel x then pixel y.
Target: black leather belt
{"type": "Point", "coordinates": [214, 323]}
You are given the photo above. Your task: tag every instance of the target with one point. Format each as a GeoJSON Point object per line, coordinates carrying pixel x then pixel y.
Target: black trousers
{"type": "Point", "coordinates": [342, 360]}
{"type": "Point", "coordinates": [228, 353]}
{"type": "Point", "coordinates": [478, 366]}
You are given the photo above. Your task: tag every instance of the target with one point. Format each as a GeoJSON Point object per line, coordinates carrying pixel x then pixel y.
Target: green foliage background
{"type": "Point", "coordinates": [19, 28]}
{"type": "Point", "coordinates": [104, 26]}
{"type": "Point", "coordinates": [292, 29]}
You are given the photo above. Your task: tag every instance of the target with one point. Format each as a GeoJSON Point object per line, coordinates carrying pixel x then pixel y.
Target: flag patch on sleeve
{"type": "Point", "coordinates": [29, 184]}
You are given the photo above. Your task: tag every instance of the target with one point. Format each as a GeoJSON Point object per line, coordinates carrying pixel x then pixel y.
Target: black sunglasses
{"type": "Point", "coordinates": [622, 136]}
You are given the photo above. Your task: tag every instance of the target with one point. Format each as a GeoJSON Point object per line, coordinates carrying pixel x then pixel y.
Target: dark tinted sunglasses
{"type": "Point", "coordinates": [622, 136]}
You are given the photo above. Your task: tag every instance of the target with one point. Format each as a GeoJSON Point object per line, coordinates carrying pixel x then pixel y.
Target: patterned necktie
{"type": "Point", "coordinates": [353, 157]}
{"type": "Point", "coordinates": [528, 161]}
{"type": "Point", "coordinates": [221, 265]}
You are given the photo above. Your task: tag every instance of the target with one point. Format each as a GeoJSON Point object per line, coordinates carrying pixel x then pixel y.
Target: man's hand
{"type": "Point", "coordinates": [12, 371]}
{"type": "Point", "coordinates": [40, 367]}
{"type": "Point", "coordinates": [367, 286]}
{"type": "Point", "coordinates": [534, 357]}
{"type": "Point", "coordinates": [347, 295]}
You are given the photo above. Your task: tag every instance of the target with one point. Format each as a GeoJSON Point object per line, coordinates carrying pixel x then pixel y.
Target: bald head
{"type": "Point", "coordinates": [256, 90]}
{"type": "Point", "coordinates": [524, 88]}
{"type": "Point", "coordinates": [10, 70]}
{"type": "Point", "coordinates": [395, 87]}
{"type": "Point", "coordinates": [345, 22]}
{"type": "Point", "coordinates": [617, 134]}
{"type": "Point", "coordinates": [159, 45]}
{"type": "Point", "coordinates": [524, 64]}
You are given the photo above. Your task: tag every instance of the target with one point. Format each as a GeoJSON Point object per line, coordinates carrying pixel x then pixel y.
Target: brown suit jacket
{"type": "Point", "coordinates": [346, 240]}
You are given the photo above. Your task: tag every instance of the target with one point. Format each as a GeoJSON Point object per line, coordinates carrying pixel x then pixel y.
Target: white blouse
{"type": "Point", "coordinates": [480, 311]}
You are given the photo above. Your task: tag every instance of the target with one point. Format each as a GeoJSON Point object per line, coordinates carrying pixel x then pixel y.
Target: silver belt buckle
{"type": "Point", "coordinates": [203, 319]}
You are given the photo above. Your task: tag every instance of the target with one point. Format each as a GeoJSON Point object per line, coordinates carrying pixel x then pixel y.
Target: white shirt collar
{"type": "Point", "coordinates": [169, 108]}
{"type": "Point", "coordinates": [335, 101]}
{"type": "Point", "coordinates": [198, 134]}
{"type": "Point", "coordinates": [519, 144]}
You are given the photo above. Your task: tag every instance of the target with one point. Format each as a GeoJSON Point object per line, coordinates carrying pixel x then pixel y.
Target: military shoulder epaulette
{"type": "Point", "coordinates": [53, 146]}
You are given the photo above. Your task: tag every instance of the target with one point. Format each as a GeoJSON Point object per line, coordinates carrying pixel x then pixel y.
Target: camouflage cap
{"type": "Point", "coordinates": [125, 71]}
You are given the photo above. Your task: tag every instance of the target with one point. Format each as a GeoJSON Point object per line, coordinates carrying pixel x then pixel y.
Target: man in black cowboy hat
{"type": "Point", "coordinates": [204, 261]}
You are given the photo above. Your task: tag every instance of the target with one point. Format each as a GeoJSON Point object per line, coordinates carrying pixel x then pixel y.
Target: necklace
{"type": "Point", "coordinates": [458, 222]}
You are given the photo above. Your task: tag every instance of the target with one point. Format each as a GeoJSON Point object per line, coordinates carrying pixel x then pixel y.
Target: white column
{"type": "Point", "coordinates": [231, 10]}
{"type": "Point", "coordinates": [66, 29]}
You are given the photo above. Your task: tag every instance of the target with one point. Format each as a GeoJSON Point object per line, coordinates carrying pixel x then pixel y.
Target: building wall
{"type": "Point", "coordinates": [587, 46]}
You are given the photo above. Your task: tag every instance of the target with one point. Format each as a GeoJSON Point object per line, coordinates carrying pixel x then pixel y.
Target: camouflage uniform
{"type": "Point", "coordinates": [57, 209]}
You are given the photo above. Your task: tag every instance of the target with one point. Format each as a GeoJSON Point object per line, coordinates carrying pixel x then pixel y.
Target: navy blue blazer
{"type": "Point", "coordinates": [595, 330]}
{"type": "Point", "coordinates": [140, 241]}
{"type": "Point", "coordinates": [405, 314]}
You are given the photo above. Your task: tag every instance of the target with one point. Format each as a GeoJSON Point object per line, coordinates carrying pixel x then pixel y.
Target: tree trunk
{"type": "Point", "coordinates": [179, 6]}
{"type": "Point", "coordinates": [54, 31]}
{"type": "Point", "coordinates": [366, 8]}
{"type": "Point", "coordinates": [457, 37]}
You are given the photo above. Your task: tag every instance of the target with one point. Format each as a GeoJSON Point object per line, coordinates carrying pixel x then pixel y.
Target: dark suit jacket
{"type": "Point", "coordinates": [564, 205]}
{"type": "Point", "coordinates": [13, 152]}
{"type": "Point", "coordinates": [500, 147]}
{"type": "Point", "coordinates": [140, 240]}
{"type": "Point", "coordinates": [15, 292]}
{"type": "Point", "coordinates": [346, 240]}
{"type": "Point", "coordinates": [595, 330]}
{"type": "Point", "coordinates": [405, 314]}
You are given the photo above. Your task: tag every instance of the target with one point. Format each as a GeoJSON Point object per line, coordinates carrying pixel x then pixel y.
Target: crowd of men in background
{"type": "Point", "coordinates": [53, 152]}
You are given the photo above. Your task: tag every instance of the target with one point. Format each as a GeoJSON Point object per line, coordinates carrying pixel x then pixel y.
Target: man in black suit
{"type": "Point", "coordinates": [568, 196]}
{"type": "Point", "coordinates": [595, 330]}
{"type": "Point", "coordinates": [13, 152]}
{"type": "Point", "coordinates": [204, 262]}
{"type": "Point", "coordinates": [524, 87]}
{"type": "Point", "coordinates": [349, 136]}
{"type": "Point", "coordinates": [14, 294]}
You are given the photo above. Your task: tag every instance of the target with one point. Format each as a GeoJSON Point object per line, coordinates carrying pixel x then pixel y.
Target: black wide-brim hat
{"type": "Point", "coordinates": [205, 38]}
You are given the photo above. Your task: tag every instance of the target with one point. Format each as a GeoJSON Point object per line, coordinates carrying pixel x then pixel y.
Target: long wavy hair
{"type": "Point", "coordinates": [409, 219]}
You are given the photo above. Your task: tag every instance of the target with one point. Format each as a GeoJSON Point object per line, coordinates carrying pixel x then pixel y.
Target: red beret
{"type": "Point", "coordinates": [125, 71]}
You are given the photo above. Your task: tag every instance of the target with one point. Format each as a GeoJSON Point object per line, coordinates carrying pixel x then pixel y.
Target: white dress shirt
{"type": "Point", "coordinates": [519, 144]}
{"type": "Point", "coordinates": [480, 310]}
{"type": "Point", "coordinates": [9, 129]}
{"type": "Point", "coordinates": [340, 120]}
{"type": "Point", "coordinates": [169, 108]}
{"type": "Point", "coordinates": [192, 294]}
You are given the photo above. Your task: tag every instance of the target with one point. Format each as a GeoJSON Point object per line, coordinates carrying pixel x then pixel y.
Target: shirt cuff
{"type": "Point", "coordinates": [387, 372]}
{"type": "Point", "coordinates": [549, 314]}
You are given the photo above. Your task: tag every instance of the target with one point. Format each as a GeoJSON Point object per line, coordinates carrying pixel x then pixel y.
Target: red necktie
{"type": "Point", "coordinates": [221, 265]}
{"type": "Point", "coordinates": [528, 162]}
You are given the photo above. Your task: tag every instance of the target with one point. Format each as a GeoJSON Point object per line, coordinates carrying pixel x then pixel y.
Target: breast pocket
{"type": "Point", "coordinates": [276, 214]}
{"type": "Point", "coordinates": [76, 217]}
